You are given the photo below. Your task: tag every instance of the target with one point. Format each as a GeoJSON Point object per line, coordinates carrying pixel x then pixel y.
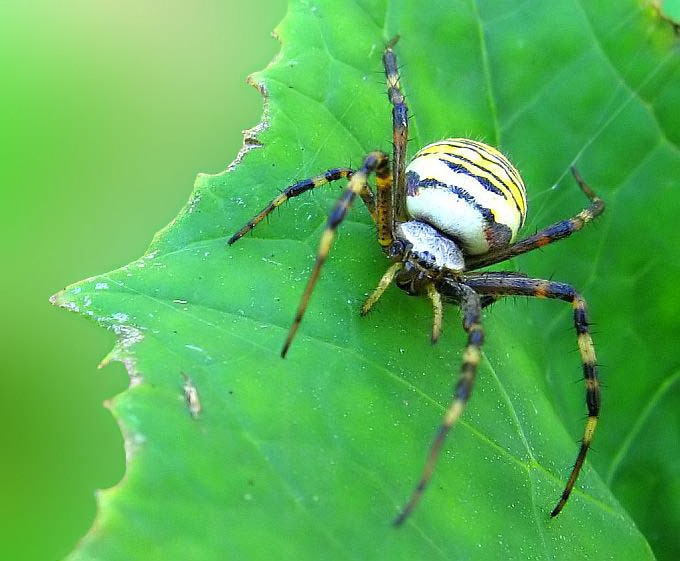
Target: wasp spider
{"type": "Point", "coordinates": [455, 208]}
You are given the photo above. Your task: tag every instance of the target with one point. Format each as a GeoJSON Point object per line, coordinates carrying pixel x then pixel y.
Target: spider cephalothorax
{"type": "Point", "coordinates": [456, 207]}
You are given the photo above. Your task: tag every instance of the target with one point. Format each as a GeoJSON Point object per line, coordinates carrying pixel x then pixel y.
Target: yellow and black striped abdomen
{"type": "Point", "coordinates": [469, 191]}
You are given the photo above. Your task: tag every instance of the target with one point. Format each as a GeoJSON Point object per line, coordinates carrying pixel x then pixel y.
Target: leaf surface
{"type": "Point", "coordinates": [316, 453]}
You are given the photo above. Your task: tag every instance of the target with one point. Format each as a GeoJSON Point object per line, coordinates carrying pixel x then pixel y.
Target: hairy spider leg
{"type": "Point", "coordinates": [301, 187]}
{"type": "Point", "coordinates": [399, 132]}
{"type": "Point", "coordinates": [489, 299]}
{"type": "Point", "coordinates": [432, 293]}
{"type": "Point", "coordinates": [552, 233]}
{"type": "Point", "coordinates": [511, 284]}
{"type": "Point", "coordinates": [384, 282]}
{"type": "Point", "coordinates": [437, 311]}
{"type": "Point", "coordinates": [375, 162]}
{"type": "Point", "coordinates": [472, 318]}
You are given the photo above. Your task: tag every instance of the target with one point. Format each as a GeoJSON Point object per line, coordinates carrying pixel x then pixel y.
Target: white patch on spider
{"type": "Point", "coordinates": [425, 239]}
{"type": "Point", "coordinates": [101, 286]}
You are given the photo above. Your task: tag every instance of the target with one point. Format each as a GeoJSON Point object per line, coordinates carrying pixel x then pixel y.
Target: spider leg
{"type": "Point", "coordinates": [488, 299]}
{"type": "Point", "coordinates": [397, 200]}
{"type": "Point", "coordinates": [301, 187]}
{"type": "Point", "coordinates": [375, 162]}
{"type": "Point", "coordinates": [437, 311]}
{"type": "Point", "coordinates": [552, 233]}
{"type": "Point", "coordinates": [505, 284]}
{"type": "Point", "coordinates": [432, 293]}
{"type": "Point", "coordinates": [384, 282]}
{"type": "Point", "coordinates": [470, 304]}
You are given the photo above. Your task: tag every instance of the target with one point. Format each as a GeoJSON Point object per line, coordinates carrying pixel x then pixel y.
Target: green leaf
{"type": "Point", "coordinates": [316, 453]}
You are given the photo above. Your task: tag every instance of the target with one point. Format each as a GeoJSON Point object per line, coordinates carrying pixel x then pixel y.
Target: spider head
{"type": "Point", "coordinates": [426, 254]}
{"type": "Point", "coordinates": [425, 246]}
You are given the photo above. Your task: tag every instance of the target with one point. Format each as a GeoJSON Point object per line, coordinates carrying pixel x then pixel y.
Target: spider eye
{"type": "Point", "coordinates": [397, 249]}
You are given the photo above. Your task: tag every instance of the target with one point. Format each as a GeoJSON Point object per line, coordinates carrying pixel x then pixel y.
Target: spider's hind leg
{"type": "Point", "coordinates": [504, 284]}
{"type": "Point", "coordinates": [472, 317]}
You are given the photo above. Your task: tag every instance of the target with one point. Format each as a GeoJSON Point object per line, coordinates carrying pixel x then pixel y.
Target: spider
{"type": "Point", "coordinates": [454, 209]}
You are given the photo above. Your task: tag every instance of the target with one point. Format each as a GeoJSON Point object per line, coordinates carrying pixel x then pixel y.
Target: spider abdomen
{"type": "Point", "coordinates": [467, 190]}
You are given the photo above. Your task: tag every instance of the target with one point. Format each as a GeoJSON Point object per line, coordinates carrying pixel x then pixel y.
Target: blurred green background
{"type": "Point", "coordinates": [108, 110]}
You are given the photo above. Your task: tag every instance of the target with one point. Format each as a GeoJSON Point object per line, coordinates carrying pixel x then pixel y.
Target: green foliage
{"type": "Point", "coordinates": [316, 453]}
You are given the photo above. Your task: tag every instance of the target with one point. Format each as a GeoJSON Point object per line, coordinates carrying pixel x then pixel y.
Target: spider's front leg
{"type": "Point", "coordinates": [399, 128]}
{"type": "Point", "coordinates": [296, 189]}
{"type": "Point", "coordinates": [378, 163]}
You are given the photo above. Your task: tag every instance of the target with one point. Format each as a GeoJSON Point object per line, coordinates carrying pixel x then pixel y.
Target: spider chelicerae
{"type": "Point", "coordinates": [455, 209]}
